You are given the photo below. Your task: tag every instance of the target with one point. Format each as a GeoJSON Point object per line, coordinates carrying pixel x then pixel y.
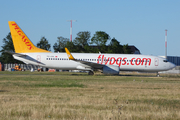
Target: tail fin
{"type": "Point", "coordinates": [22, 44]}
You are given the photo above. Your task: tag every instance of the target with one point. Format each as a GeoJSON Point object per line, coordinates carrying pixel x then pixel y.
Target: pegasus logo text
{"type": "Point", "coordinates": [23, 37]}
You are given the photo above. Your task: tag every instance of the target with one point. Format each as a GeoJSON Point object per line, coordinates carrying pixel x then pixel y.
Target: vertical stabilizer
{"type": "Point", "coordinates": [22, 44]}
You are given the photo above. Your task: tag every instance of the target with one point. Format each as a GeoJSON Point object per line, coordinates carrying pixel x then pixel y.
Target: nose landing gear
{"type": "Point", "coordinates": [90, 73]}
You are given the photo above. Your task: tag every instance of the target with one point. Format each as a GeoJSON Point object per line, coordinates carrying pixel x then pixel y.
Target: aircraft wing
{"type": "Point", "coordinates": [94, 65]}
{"type": "Point", "coordinates": [91, 64]}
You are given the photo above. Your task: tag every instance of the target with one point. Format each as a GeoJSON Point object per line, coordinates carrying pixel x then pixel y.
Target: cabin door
{"type": "Point", "coordinates": [38, 59]}
{"type": "Point", "coordinates": [156, 61]}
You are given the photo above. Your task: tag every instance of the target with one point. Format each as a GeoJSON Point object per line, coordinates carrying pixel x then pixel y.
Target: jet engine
{"type": "Point", "coordinates": [111, 69]}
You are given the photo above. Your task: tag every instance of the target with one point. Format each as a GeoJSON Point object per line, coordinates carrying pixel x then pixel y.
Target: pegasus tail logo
{"type": "Point", "coordinates": [22, 44]}
{"type": "Point", "coordinates": [23, 36]}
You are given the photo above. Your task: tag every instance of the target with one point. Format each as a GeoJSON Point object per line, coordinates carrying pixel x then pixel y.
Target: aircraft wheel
{"type": "Point", "coordinates": [157, 74]}
{"type": "Point", "coordinates": [90, 73]}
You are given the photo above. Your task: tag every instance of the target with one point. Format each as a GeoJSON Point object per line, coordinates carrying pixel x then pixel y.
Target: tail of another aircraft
{"type": "Point", "coordinates": [22, 43]}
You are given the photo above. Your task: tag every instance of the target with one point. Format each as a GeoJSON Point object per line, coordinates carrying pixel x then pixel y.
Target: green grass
{"type": "Point", "coordinates": [39, 81]}
{"type": "Point", "coordinates": [64, 95]}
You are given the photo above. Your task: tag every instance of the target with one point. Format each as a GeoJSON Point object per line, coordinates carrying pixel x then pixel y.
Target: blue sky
{"type": "Point", "coordinates": [135, 22]}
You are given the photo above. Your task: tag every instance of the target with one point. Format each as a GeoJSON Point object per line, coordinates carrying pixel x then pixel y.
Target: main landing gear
{"type": "Point", "coordinates": [157, 74]}
{"type": "Point", "coordinates": [90, 73]}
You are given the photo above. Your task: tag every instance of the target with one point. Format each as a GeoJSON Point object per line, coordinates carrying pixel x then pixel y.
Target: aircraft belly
{"type": "Point", "coordinates": [144, 68]}
{"type": "Point", "coordinates": [69, 65]}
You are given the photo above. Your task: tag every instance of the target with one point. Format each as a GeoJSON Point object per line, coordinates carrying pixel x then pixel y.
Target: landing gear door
{"type": "Point", "coordinates": [156, 61]}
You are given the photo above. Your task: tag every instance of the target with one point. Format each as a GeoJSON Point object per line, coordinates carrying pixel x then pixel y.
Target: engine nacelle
{"type": "Point", "coordinates": [111, 69]}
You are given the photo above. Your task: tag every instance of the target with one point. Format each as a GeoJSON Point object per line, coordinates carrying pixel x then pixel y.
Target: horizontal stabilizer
{"type": "Point", "coordinates": [16, 54]}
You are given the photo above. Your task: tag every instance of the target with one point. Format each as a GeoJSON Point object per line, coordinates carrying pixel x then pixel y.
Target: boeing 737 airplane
{"type": "Point", "coordinates": [109, 63]}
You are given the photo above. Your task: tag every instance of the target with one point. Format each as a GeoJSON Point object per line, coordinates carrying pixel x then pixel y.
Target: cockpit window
{"type": "Point", "coordinates": [165, 61]}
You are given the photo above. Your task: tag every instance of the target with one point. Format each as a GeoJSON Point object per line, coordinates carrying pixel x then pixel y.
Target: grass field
{"type": "Point", "coordinates": [130, 96]}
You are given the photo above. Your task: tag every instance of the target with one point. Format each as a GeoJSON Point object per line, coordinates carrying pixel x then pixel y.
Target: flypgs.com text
{"type": "Point", "coordinates": [123, 61]}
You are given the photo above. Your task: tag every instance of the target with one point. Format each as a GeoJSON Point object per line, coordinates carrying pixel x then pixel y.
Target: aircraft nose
{"type": "Point", "coordinates": [172, 65]}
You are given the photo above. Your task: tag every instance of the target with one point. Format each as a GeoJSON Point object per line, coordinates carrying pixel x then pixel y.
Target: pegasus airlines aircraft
{"type": "Point", "coordinates": [28, 53]}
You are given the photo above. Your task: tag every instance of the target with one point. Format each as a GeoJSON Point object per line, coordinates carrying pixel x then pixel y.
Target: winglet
{"type": "Point", "coordinates": [69, 54]}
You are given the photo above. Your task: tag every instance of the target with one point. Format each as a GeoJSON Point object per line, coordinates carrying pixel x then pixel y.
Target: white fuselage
{"type": "Point", "coordinates": [126, 62]}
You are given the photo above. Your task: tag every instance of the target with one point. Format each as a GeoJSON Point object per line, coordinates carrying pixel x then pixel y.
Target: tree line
{"type": "Point", "coordinates": [83, 43]}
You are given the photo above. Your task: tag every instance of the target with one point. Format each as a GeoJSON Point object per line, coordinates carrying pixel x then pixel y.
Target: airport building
{"type": "Point", "coordinates": [173, 59]}
{"type": "Point", "coordinates": [176, 61]}
{"type": "Point", "coordinates": [134, 49]}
